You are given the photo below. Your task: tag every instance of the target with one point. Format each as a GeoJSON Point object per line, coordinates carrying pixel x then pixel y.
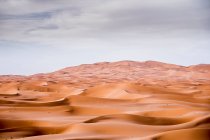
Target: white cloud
{"type": "Point", "coordinates": [109, 25]}
{"type": "Point", "coordinates": [98, 19]}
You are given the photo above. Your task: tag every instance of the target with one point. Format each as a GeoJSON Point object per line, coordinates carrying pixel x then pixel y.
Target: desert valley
{"type": "Point", "coordinates": [124, 100]}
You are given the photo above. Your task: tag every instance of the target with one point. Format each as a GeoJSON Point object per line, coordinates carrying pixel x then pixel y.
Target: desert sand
{"type": "Point", "coordinates": [124, 100]}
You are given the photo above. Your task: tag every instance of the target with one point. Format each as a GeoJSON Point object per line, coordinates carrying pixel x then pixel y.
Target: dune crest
{"type": "Point", "coordinates": [119, 100]}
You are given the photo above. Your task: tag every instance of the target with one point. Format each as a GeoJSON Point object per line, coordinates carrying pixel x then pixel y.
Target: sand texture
{"type": "Point", "coordinates": [123, 100]}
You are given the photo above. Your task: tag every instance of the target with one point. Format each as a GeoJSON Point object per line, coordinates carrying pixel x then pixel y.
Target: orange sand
{"type": "Point", "coordinates": [122, 100]}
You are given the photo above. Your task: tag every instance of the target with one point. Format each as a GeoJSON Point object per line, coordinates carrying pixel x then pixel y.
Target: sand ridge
{"type": "Point", "coordinates": [119, 100]}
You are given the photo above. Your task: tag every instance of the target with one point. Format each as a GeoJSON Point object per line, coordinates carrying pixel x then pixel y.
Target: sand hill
{"type": "Point", "coordinates": [124, 100]}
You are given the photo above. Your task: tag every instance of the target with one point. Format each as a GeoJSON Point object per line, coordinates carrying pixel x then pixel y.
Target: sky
{"type": "Point", "coordinates": [38, 36]}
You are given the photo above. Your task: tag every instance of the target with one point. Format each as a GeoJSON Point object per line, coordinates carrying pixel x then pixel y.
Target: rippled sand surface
{"type": "Point", "coordinates": [122, 100]}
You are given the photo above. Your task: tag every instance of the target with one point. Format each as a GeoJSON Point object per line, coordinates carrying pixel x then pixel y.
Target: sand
{"type": "Point", "coordinates": [123, 100]}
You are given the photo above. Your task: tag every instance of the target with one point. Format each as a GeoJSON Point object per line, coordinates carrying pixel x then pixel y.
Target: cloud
{"type": "Point", "coordinates": [132, 25]}
{"type": "Point", "coordinates": [68, 22]}
{"type": "Point", "coordinates": [32, 20]}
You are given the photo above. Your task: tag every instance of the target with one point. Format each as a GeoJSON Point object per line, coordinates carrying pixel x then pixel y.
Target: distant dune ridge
{"type": "Point", "coordinates": [125, 100]}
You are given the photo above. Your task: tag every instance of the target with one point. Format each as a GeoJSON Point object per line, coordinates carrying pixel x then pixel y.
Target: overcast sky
{"type": "Point", "coordinates": [47, 35]}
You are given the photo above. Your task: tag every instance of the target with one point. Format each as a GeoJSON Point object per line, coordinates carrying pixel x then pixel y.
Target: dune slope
{"type": "Point", "coordinates": [120, 100]}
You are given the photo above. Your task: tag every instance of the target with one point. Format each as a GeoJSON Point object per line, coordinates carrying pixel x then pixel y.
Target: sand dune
{"type": "Point", "coordinates": [121, 100]}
